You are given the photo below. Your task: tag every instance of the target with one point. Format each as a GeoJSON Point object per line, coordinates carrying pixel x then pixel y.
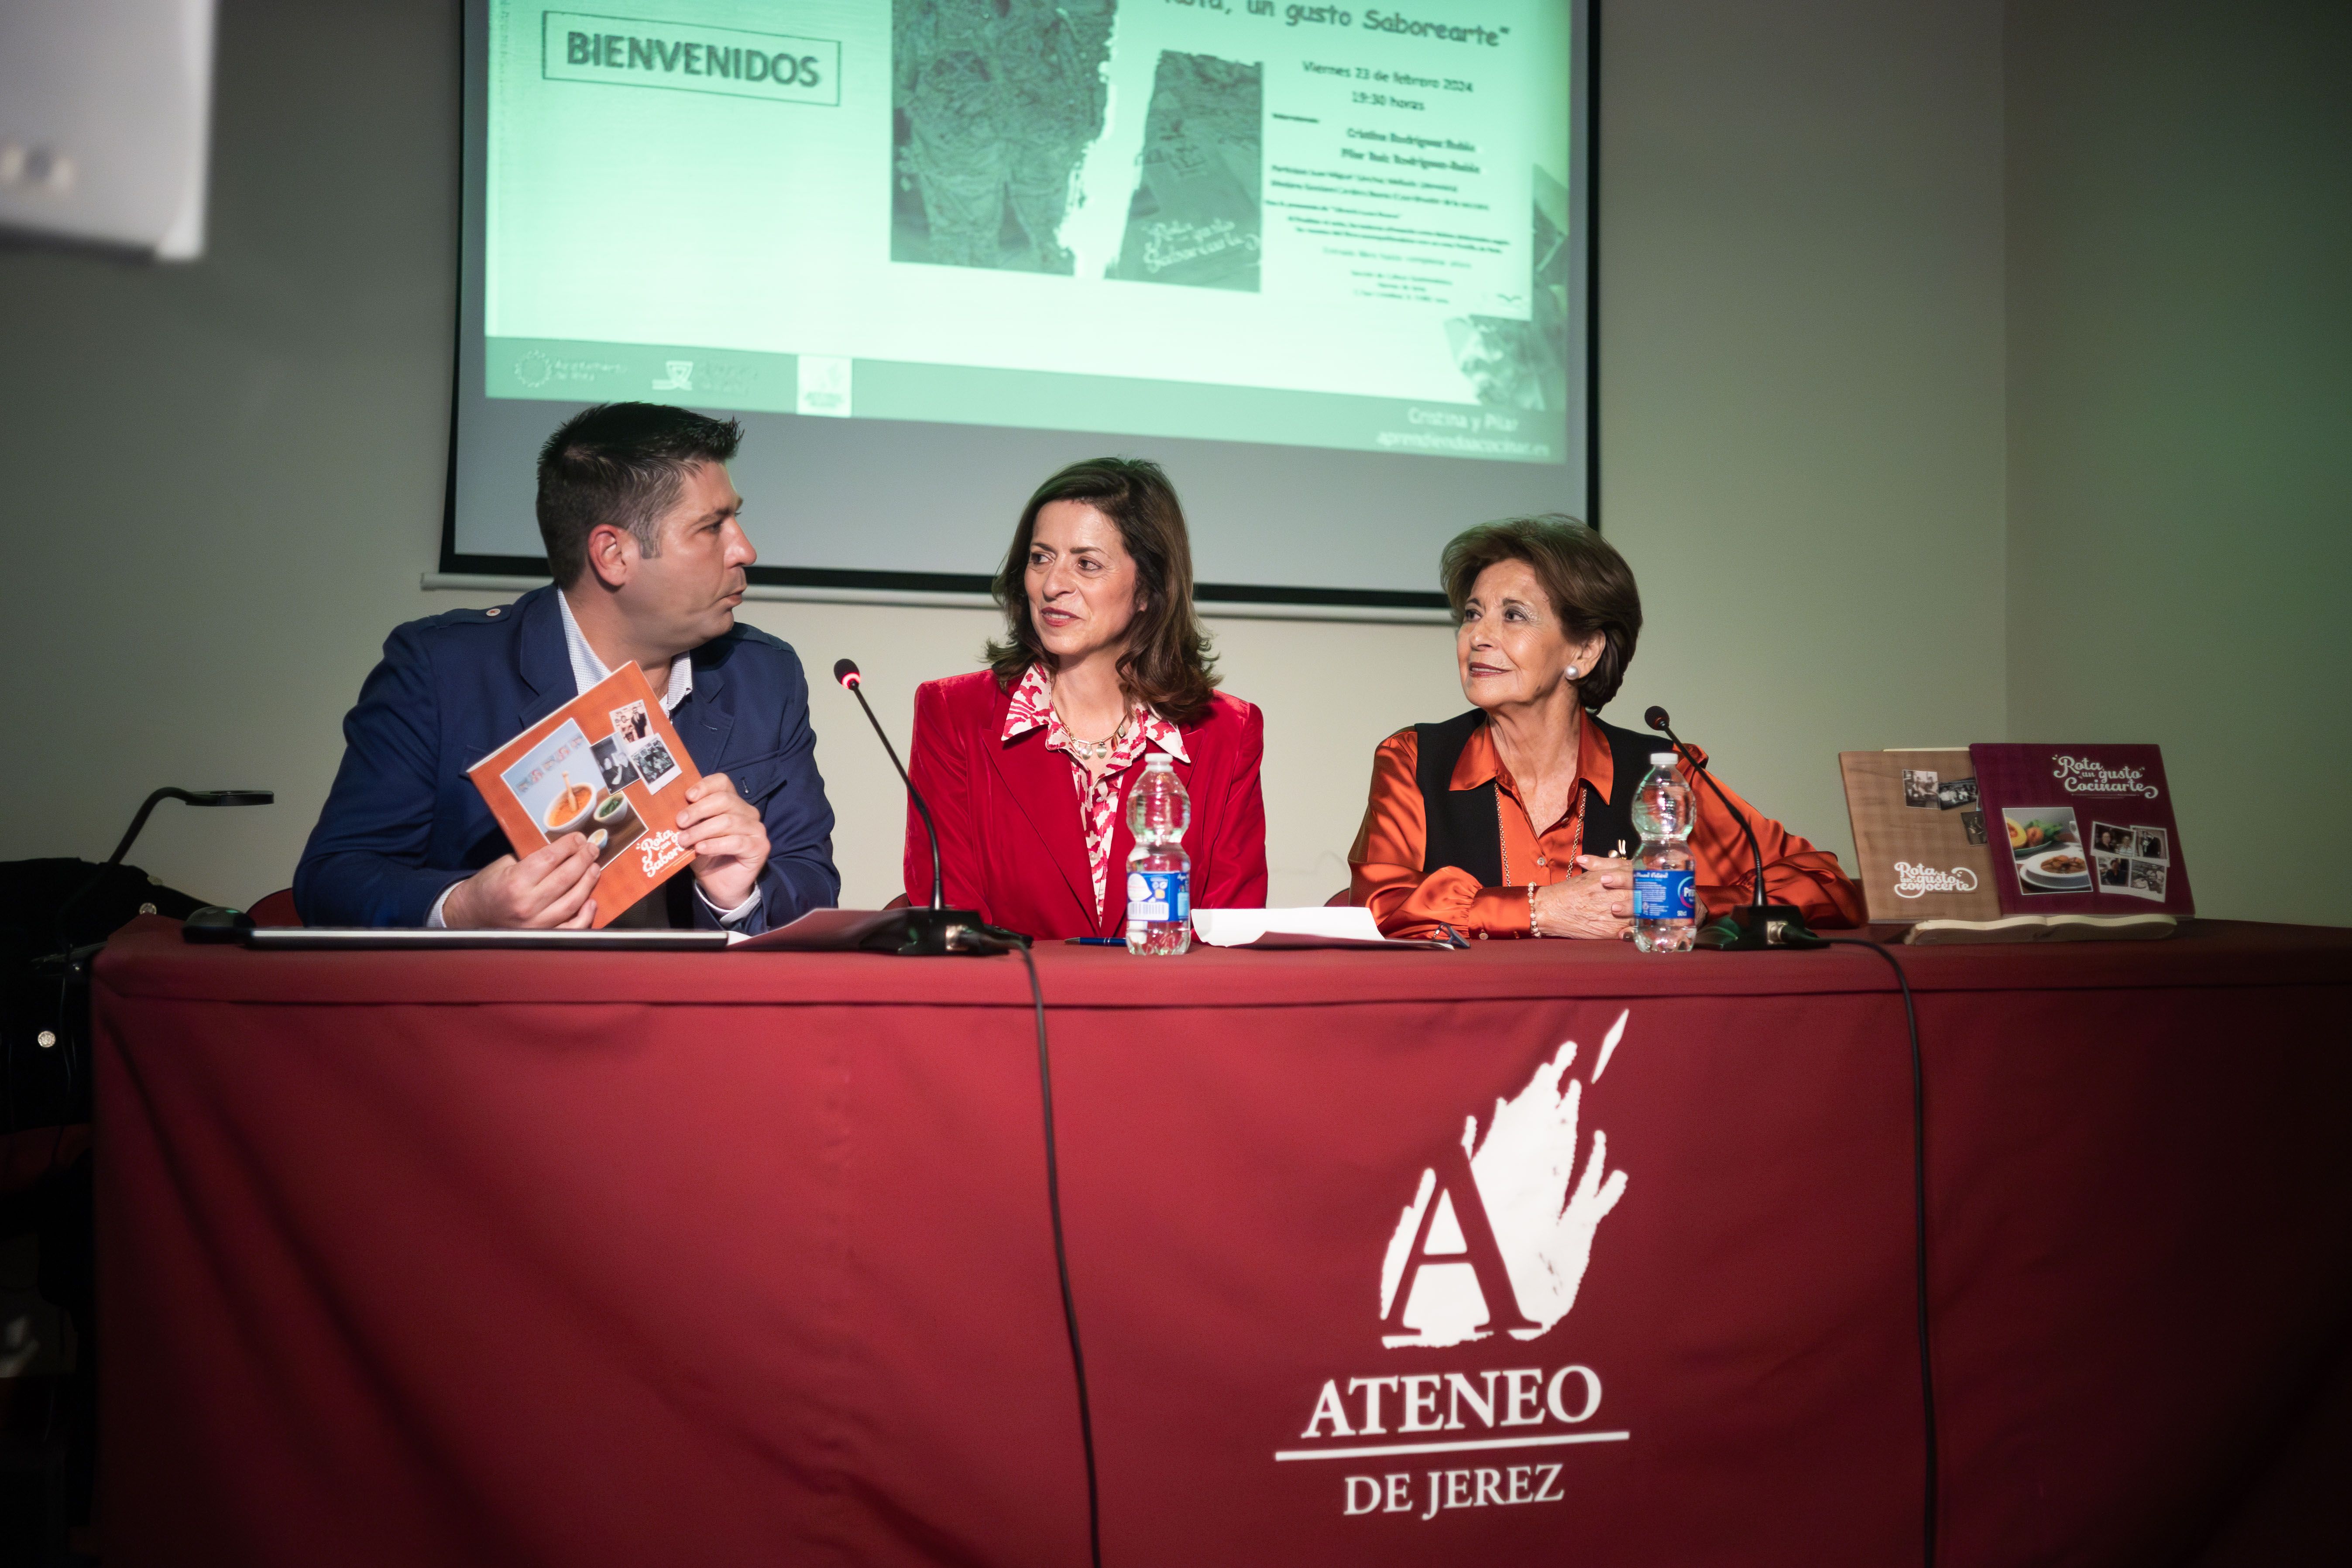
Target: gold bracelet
{"type": "Point", "coordinates": [1531, 910]}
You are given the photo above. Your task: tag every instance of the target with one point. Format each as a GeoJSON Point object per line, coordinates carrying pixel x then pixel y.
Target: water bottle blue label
{"type": "Point", "coordinates": [1159, 895]}
{"type": "Point", "coordinates": [1663, 895]}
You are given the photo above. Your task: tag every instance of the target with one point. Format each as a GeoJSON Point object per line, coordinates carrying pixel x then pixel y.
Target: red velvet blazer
{"type": "Point", "coordinates": [1007, 812]}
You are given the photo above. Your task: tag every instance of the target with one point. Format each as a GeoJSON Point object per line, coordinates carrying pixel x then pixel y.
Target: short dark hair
{"type": "Point", "coordinates": [1167, 663]}
{"type": "Point", "coordinates": [621, 463]}
{"type": "Point", "coordinates": [1590, 585]}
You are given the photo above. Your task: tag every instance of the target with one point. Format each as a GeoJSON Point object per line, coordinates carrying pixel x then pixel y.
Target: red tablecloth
{"type": "Point", "coordinates": [743, 1258]}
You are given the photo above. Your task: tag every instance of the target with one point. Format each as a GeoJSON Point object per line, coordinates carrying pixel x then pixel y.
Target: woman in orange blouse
{"type": "Point", "coordinates": [1548, 614]}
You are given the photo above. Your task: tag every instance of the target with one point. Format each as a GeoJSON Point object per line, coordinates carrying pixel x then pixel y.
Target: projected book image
{"type": "Point", "coordinates": [993, 115]}
{"type": "Point", "coordinates": [1513, 363]}
{"type": "Point", "coordinates": [1194, 218]}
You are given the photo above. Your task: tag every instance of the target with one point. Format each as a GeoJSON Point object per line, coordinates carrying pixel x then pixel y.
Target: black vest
{"type": "Point", "coordinates": [1464, 830]}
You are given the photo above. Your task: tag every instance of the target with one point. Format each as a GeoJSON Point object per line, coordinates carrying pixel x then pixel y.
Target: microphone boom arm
{"type": "Point", "coordinates": [931, 830]}
{"type": "Point", "coordinates": [937, 930]}
{"type": "Point", "coordinates": [1755, 849]}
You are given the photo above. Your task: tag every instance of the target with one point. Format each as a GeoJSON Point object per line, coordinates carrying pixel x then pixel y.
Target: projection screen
{"type": "Point", "coordinates": [1330, 266]}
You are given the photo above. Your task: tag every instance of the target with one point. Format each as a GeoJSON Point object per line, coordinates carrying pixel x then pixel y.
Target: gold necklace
{"type": "Point", "coordinates": [1576, 796]}
{"type": "Point", "coordinates": [1088, 752]}
{"type": "Point", "coordinates": [1501, 839]}
{"type": "Point", "coordinates": [1502, 842]}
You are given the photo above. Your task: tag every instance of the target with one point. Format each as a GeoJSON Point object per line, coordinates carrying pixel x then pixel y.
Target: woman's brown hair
{"type": "Point", "coordinates": [1590, 585]}
{"type": "Point", "coordinates": [1167, 663]}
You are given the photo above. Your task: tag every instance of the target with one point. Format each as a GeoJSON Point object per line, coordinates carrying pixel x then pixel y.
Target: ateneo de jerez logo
{"type": "Point", "coordinates": [1495, 1243]}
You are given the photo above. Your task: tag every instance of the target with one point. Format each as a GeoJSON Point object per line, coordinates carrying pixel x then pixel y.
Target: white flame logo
{"type": "Point", "coordinates": [1540, 1216]}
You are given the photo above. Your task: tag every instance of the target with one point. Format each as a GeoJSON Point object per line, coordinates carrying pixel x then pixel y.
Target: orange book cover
{"type": "Point", "coordinates": [606, 764]}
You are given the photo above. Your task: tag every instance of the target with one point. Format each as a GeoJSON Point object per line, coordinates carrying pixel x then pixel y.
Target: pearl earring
{"type": "Point", "coordinates": [1571, 672]}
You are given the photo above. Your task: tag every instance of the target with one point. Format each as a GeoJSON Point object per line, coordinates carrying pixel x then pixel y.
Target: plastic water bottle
{"type": "Point", "coordinates": [1664, 899]}
{"type": "Point", "coordinates": [1158, 872]}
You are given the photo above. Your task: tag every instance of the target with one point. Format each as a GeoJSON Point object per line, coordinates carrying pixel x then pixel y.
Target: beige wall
{"type": "Point", "coordinates": [1801, 343]}
{"type": "Point", "coordinates": [222, 481]}
{"type": "Point", "coordinates": [2180, 417]}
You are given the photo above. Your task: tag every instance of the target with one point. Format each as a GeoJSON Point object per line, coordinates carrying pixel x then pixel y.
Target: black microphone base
{"type": "Point", "coordinates": [933, 933]}
{"type": "Point", "coordinates": [1747, 927]}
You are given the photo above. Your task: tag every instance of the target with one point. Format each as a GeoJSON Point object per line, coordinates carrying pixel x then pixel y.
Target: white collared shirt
{"type": "Point", "coordinates": [587, 670]}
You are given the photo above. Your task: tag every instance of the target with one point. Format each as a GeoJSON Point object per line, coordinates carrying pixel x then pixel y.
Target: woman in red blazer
{"type": "Point", "coordinates": [1026, 764]}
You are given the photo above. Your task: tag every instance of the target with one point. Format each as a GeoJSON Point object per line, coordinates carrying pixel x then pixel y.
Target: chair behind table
{"type": "Point", "coordinates": [276, 909]}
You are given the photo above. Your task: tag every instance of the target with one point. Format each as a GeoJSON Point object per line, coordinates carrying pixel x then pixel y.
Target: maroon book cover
{"type": "Point", "coordinates": [2089, 828]}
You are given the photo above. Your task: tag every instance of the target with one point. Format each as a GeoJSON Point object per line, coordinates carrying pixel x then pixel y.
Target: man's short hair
{"type": "Point", "coordinates": [621, 463]}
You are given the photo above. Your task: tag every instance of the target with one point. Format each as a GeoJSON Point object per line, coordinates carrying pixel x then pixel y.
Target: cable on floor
{"type": "Point", "coordinates": [1918, 1231]}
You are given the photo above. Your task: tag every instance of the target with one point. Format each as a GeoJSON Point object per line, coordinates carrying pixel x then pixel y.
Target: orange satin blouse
{"type": "Point", "coordinates": [1384, 865]}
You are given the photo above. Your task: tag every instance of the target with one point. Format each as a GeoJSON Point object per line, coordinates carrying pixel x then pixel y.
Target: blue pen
{"type": "Point", "coordinates": [1096, 941]}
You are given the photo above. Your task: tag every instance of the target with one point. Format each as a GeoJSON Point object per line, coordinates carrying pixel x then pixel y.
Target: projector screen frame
{"type": "Point", "coordinates": [473, 570]}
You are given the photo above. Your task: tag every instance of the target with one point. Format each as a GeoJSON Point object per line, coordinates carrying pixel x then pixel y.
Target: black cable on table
{"type": "Point", "coordinates": [1062, 1261]}
{"type": "Point", "coordinates": [1918, 1225]}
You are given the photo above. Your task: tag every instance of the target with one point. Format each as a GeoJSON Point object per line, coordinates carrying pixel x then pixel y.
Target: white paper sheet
{"type": "Point", "coordinates": [1322, 926]}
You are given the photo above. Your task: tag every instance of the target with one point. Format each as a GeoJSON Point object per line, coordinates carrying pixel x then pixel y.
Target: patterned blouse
{"type": "Point", "coordinates": [1100, 799]}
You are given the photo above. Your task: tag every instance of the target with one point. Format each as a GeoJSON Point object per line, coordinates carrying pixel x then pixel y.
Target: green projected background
{"type": "Point", "coordinates": [1233, 220]}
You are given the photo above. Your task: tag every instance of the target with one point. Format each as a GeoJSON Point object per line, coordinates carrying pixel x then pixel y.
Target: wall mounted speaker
{"type": "Point", "coordinates": [105, 118]}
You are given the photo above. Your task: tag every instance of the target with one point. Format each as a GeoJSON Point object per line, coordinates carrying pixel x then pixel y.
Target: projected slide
{"type": "Point", "coordinates": [1244, 220]}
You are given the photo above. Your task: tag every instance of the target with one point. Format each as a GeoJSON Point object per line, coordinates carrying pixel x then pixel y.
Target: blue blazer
{"type": "Point", "coordinates": [403, 822]}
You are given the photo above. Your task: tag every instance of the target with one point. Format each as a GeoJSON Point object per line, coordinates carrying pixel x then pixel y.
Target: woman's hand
{"type": "Point", "coordinates": [1597, 900]}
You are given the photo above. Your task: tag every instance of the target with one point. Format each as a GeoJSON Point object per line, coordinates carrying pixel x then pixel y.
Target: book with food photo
{"type": "Point", "coordinates": [606, 766]}
{"type": "Point", "coordinates": [2088, 830]}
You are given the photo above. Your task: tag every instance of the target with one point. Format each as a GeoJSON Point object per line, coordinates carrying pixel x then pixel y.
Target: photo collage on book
{"type": "Point", "coordinates": [1919, 835]}
{"type": "Point", "coordinates": [608, 766]}
{"type": "Point", "coordinates": [2087, 828]}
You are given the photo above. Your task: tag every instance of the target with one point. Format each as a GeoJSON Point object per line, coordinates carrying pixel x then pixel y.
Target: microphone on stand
{"type": "Point", "coordinates": [1757, 924]}
{"type": "Point", "coordinates": [934, 931]}
{"type": "Point", "coordinates": [937, 930]}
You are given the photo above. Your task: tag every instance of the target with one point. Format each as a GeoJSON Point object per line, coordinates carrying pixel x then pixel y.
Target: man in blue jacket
{"type": "Point", "coordinates": [640, 520]}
